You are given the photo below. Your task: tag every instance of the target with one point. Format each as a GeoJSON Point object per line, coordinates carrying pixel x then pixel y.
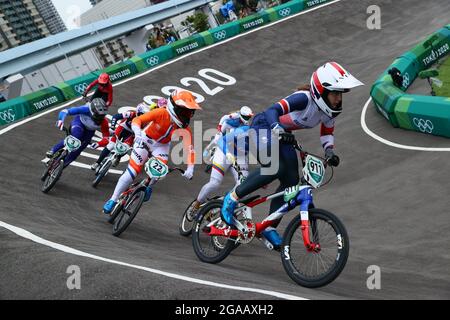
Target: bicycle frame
{"type": "Point", "coordinates": [303, 198]}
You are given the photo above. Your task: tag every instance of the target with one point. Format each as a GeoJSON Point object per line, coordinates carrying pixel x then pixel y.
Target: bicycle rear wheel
{"type": "Point", "coordinates": [315, 269]}
{"type": "Point", "coordinates": [128, 212]}
{"type": "Point", "coordinates": [101, 173]}
{"type": "Point", "coordinates": [54, 173]}
{"type": "Point", "coordinates": [210, 249]}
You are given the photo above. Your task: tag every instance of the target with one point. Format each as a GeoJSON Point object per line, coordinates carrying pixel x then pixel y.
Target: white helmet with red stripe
{"type": "Point", "coordinates": [331, 77]}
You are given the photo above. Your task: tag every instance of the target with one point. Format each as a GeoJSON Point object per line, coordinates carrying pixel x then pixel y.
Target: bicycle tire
{"type": "Point", "coordinates": [185, 226]}
{"type": "Point", "coordinates": [218, 254]}
{"type": "Point", "coordinates": [117, 209]}
{"type": "Point", "coordinates": [340, 242]}
{"type": "Point", "coordinates": [44, 174]}
{"type": "Point", "coordinates": [117, 227]}
{"type": "Point", "coordinates": [53, 177]}
{"type": "Point", "coordinates": [102, 172]}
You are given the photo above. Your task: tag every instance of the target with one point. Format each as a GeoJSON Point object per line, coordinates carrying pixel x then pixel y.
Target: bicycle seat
{"type": "Point", "coordinates": [249, 199]}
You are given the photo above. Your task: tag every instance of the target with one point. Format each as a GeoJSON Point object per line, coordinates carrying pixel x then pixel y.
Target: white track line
{"type": "Point", "coordinates": [25, 234]}
{"type": "Point", "coordinates": [387, 142]}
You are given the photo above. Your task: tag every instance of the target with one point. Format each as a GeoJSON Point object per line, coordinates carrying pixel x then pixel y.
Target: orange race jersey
{"type": "Point", "coordinates": [158, 126]}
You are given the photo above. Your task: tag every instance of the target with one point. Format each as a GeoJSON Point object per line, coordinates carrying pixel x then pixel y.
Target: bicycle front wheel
{"type": "Point", "coordinates": [210, 249]}
{"type": "Point", "coordinates": [102, 172]}
{"type": "Point", "coordinates": [187, 221]}
{"type": "Point", "coordinates": [128, 212]}
{"type": "Point", "coordinates": [54, 173]}
{"type": "Point", "coordinates": [315, 269]}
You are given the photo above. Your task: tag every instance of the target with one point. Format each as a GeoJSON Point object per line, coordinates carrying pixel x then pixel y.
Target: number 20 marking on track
{"type": "Point", "coordinates": [204, 73]}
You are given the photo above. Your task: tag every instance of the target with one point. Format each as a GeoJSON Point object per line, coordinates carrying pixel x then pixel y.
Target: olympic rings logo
{"type": "Point", "coordinates": [425, 126]}
{"type": "Point", "coordinates": [220, 35]}
{"type": "Point", "coordinates": [405, 80]}
{"type": "Point", "coordinates": [81, 88]}
{"type": "Point", "coordinates": [284, 12]}
{"type": "Point", "coordinates": [153, 61]}
{"type": "Point", "coordinates": [7, 116]}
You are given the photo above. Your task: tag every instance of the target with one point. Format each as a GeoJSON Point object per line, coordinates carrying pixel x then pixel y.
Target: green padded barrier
{"type": "Point", "coordinates": [225, 31]}
{"type": "Point", "coordinates": [157, 56]}
{"type": "Point", "coordinates": [120, 71]}
{"type": "Point", "coordinates": [13, 110]}
{"type": "Point", "coordinates": [139, 63]}
{"type": "Point", "coordinates": [424, 114]}
{"type": "Point", "coordinates": [43, 99]}
{"type": "Point", "coordinates": [208, 38]}
{"type": "Point", "coordinates": [253, 21]}
{"type": "Point", "coordinates": [285, 10]}
{"type": "Point", "coordinates": [385, 97]}
{"type": "Point", "coordinates": [80, 84]}
{"type": "Point", "coordinates": [67, 90]}
{"type": "Point", "coordinates": [433, 48]}
{"type": "Point", "coordinates": [187, 45]}
{"type": "Point", "coordinates": [312, 3]}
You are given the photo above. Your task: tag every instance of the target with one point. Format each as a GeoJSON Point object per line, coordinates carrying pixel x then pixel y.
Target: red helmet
{"type": "Point", "coordinates": [103, 78]}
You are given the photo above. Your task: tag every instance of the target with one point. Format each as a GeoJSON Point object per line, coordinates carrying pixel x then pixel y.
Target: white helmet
{"type": "Point", "coordinates": [245, 114]}
{"type": "Point", "coordinates": [331, 77]}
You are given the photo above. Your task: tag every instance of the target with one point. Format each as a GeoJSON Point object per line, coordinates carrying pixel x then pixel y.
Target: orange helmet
{"type": "Point", "coordinates": [103, 78]}
{"type": "Point", "coordinates": [181, 106]}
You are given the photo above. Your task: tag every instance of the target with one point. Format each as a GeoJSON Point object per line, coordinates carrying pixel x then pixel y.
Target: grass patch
{"type": "Point", "coordinates": [444, 76]}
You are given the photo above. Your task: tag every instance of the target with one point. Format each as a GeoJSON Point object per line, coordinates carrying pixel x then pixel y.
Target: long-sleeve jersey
{"type": "Point", "coordinates": [235, 142]}
{"type": "Point", "coordinates": [299, 111]}
{"type": "Point", "coordinates": [108, 89]}
{"type": "Point", "coordinates": [85, 117]}
{"type": "Point", "coordinates": [124, 119]}
{"type": "Point", "coordinates": [158, 126]}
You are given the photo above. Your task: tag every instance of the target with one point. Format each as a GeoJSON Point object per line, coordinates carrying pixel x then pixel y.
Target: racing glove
{"type": "Point", "coordinates": [332, 159]}
{"type": "Point", "coordinates": [113, 123]}
{"type": "Point", "coordinates": [189, 173]}
{"type": "Point", "coordinates": [60, 124]}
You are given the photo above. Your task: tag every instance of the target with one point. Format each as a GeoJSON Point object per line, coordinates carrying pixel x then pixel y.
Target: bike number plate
{"type": "Point", "coordinates": [155, 168]}
{"type": "Point", "coordinates": [315, 170]}
{"type": "Point", "coordinates": [121, 148]}
{"type": "Point", "coordinates": [72, 143]}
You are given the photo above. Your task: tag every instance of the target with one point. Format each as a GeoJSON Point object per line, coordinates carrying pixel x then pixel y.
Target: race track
{"type": "Point", "coordinates": [393, 202]}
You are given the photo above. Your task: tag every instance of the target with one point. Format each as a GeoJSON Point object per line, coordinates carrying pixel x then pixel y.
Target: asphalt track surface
{"type": "Point", "coordinates": [393, 202]}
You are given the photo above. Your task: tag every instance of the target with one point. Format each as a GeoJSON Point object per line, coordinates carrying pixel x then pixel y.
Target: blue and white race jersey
{"type": "Point", "coordinates": [299, 111]}
{"type": "Point", "coordinates": [235, 142]}
{"type": "Point", "coordinates": [85, 116]}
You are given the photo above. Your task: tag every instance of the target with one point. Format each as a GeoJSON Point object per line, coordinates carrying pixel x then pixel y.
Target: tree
{"type": "Point", "coordinates": [199, 22]}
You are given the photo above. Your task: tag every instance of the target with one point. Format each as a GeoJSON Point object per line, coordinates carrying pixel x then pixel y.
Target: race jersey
{"type": "Point", "coordinates": [158, 126]}
{"type": "Point", "coordinates": [107, 90]}
{"type": "Point", "coordinates": [85, 117]}
{"type": "Point", "coordinates": [229, 121]}
{"type": "Point", "coordinates": [125, 119]}
{"type": "Point", "coordinates": [235, 142]}
{"type": "Point", "coordinates": [299, 111]}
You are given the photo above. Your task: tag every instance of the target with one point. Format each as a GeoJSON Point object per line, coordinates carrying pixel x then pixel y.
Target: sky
{"type": "Point", "coordinates": [69, 10]}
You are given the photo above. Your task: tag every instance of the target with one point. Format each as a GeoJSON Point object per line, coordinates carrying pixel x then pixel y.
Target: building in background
{"type": "Point", "coordinates": [50, 16]}
{"type": "Point", "coordinates": [20, 23]}
{"type": "Point", "coordinates": [115, 50]}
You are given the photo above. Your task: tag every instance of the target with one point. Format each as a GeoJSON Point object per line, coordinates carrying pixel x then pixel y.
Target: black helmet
{"type": "Point", "coordinates": [98, 109]}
